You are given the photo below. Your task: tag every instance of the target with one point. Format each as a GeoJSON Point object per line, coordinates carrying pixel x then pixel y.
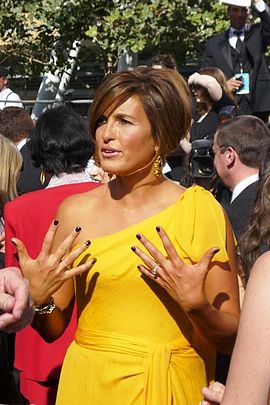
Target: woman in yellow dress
{"type": "Point", "coordinates": [162, 295]}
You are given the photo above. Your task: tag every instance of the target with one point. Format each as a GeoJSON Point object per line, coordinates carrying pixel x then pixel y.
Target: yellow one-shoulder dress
{"type": "Point", "coordinates": [134, 344]}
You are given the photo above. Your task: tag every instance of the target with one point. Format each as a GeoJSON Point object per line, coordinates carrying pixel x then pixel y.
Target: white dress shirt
{"type": "Point", "coordinates": [260, 6]}
{"type": "Point", "coordinates": [9, 99]}
{"type": "Point", "coordinates": [243, 184]}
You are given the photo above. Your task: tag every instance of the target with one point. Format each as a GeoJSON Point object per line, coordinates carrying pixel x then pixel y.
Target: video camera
{"type": "Point", "coordinates": [202, 159]}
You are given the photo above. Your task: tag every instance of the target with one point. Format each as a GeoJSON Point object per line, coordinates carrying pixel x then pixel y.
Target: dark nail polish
{"type": "Point", "coordinates": [56, 222]}
{"type": "Point", "coordinates": [138, 236]}
{"type": "Point", "coordinates": [133, 248]}
{"type": "Point", "coordinates": [88, 243]}
{"type": "Point", "coordinates": [217, 250]}
{"type": "Point", "coordinates": [138, 267]}
{"type": "Point", "coordinates": [13, 243]}
{"type": "Point", "coordinates": [158, 228]}
{"type": "Point", "coordinates": [94, 261]}
{"type": "Point", "coordinates": [78, 228]}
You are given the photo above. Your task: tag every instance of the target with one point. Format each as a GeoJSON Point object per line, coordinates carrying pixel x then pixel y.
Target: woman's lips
{"type": "Point", "coordinates": [109, 152]}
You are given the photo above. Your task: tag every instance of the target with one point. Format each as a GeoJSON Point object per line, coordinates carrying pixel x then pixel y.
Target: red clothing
{"type": "Point", "coordinates": [28, 218]}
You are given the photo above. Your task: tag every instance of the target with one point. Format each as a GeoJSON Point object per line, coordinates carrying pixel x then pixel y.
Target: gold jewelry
{"type": "Point", "coordinates": [42, 177]}
{"type": "Point", "coordinates": [158, 163]}
{"type": "Point", "coordinates": [45, 308]}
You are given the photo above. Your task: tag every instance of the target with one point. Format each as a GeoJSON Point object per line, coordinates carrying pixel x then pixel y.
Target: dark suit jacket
{"type": "Point", "coordinates": [240, 209]}
{"type": "Point", "coordinates": [217, 53]}
{"type": "Point", "coordinates": [28, 218]}
{"type": "Point", "coordinates": [29, 179]}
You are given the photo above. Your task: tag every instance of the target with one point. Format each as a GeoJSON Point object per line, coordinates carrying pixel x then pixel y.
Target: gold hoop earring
{"type": "Point", "coordinates": [158, 163]}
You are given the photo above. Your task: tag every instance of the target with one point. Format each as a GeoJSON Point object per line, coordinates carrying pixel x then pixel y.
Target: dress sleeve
{"type": "Point", "coordinates": [200, 225]}
{"type": "Point", "coordinates": [223, 102]}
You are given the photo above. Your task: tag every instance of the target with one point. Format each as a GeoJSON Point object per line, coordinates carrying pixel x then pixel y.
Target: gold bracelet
{"type": "Point", "coordinates": [45, 308]}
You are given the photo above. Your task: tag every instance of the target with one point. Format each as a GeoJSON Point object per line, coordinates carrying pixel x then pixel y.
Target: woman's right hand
{"type": "Point", "coordinates": [48, 272]}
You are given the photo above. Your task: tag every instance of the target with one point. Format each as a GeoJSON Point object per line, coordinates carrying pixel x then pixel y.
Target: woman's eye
{"type": "Point", "coordinates": [101, 121]}
{"type": "Point", "coordinates": [123, 121]}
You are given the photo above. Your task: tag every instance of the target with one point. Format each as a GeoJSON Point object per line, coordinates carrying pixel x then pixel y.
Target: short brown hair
{"type": "Point", "coordinates": [164, 95]}
{"type": "Point", "coordinates": [15, 123]}
{"type": "Point", "coordinates": [248, 135]}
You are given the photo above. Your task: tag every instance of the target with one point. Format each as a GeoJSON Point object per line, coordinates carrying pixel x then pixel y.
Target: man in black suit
{"type": "Point", "coordinates": [240, 147]}
{"type": "Point", "coordinates": [239, 53]}
{"type": "Point", "coordinates": [16, 125]}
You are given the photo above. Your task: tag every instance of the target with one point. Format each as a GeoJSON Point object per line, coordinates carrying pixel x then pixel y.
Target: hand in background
{"type": "Point", "coordinates": [234, 84]}
{"type": "Point", "coordinates": [213, 394]}
{"type": "Point", "coordinates": [16, 310]}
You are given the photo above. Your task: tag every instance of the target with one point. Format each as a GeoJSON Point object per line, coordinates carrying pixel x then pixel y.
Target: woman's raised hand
{"type": "Point", "coordinates": [184, 282]}
{"type": "Point", "coordinates": [49, 271]}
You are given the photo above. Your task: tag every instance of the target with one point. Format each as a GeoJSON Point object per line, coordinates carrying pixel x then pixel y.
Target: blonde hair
{"type": "Point", "coordinates": [11, 165]}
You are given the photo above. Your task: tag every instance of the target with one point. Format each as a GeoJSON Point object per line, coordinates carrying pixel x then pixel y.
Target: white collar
{"type": "Point", "coordinates": [243, 31]}
{"type": "Point", "coordinates": [243, 184]}
{"type": "Point", "coordinates": [21, 143]}
{"type": "Point", "coordinates": [69, 178]}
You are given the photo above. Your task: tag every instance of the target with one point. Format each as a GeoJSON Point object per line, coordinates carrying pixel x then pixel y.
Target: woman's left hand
{"type": "Point", "coordinates": [184, 282]}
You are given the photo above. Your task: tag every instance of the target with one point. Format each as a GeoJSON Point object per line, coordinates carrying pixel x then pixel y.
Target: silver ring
{"type": "Point", "coordinates": [68, 266]}
{"type": "Point", "coordinates": [154, 271]}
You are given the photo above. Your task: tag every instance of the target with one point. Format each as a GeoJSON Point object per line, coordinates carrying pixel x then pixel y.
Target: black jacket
{"type": "Point", "coordinates": [217, 53]}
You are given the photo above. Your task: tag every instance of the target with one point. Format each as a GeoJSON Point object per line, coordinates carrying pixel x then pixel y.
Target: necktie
{"type": "Point", "coordinates": [239, 43]}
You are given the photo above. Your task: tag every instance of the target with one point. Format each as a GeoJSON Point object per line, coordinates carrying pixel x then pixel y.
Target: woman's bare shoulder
{"type": "Point", "coordinates": [174, 188]}
{"type": "Point", "coordinates": [82, 201]}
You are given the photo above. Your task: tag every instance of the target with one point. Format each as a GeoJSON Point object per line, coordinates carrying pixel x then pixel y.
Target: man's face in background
{"type": "Point", "coordinates": [238, 16]}
{"type": "Point", "coordinates": [3, 82]}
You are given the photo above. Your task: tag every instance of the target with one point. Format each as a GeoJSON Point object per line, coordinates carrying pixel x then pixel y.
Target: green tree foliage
{"type": "Point", "coordinates": [30, 30]}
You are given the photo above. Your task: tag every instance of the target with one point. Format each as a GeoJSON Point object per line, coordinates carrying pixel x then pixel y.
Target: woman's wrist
{"type": "Point", "coordinates": [46, 308]}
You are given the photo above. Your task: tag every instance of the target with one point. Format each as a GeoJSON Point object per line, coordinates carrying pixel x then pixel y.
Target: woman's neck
{"type": "Point", "coordinates": [134, 187]}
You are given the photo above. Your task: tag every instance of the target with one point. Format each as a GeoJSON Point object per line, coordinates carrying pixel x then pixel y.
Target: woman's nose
{"type": "Point", "coordinates": [108, 131]}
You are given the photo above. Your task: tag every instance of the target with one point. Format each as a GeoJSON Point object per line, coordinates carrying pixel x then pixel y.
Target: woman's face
{"type": "Point", "coordinates": [200, 93]}
{"type": "Point", "coordinates": [124, 141]}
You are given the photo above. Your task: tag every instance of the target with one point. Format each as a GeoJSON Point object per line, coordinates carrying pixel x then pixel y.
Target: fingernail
{"type": "Point", "coordinates": [78, 228]}
{"type": "Point", "coordinates": [56, 222]}
{"type": "Point", "coordinates": [138, 236]}
{"type": "Point", "coordinates": [133, 248]}
{"type": "Point", "coordinates": [158, 228]}
{"type": "Point", "coordinates": [138, 267]}
{"type": "Point", "coordinates": [12, 241]}
{"type": "Point", "coordinates": [87, 243]}
{"type": "Point", "coordinates": [216, 250]}
{"type": "Point", "coordinates": [94, 260]}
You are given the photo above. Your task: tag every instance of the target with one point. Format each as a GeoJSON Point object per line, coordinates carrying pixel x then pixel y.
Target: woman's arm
{"type": "Point", "coordinates": [219, 316]}
{"type": "Point", "coordinates": [51, 275]}
{"type": "Point", "coordinates": [249, 376]}
{"type": "Point", "coordinates": [209, 83]}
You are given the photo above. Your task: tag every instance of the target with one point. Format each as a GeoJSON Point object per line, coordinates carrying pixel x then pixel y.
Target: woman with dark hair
{"type": "Point", "coordinates": [149, 319]}
{"type": "Point", "coordinates": [61, 145]}
{"type": "Point", "coordinates": [211, 92]}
